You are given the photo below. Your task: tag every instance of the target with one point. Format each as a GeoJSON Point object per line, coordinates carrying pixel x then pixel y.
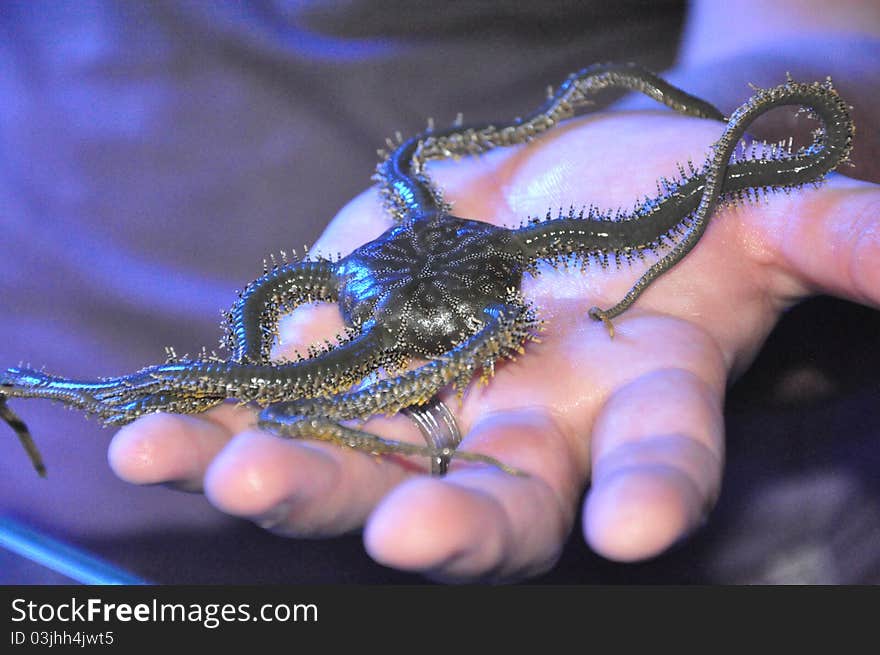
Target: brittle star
{"type": "Point", "coordinates": [443, 288]}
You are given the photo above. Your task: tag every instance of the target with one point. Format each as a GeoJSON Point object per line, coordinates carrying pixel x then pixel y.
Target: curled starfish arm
{"type": "Point", "coordinates": [676, 218]}
{"type": "Point", "coordinates": [251, 326]}
{"type": "Point", "coordinates": [252, 322]}
{"type": "Point", "coordinates": [781, 170]}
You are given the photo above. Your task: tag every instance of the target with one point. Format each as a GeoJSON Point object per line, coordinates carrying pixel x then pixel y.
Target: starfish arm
{"type": "Point", "coordinates": [322, 429]}
{"type": "Point", "coordinates": [506, 329]}
{"type": "Point", "coordinates": [677, 217]}
{"type": "Point", "coordinates": [574, 93]}
{"type": "Point", "coordinates": [196, 385]}
{"type": "Point", "coordinates": [330, 370]}
{"type": "Point", "coordinates": [408, 191]}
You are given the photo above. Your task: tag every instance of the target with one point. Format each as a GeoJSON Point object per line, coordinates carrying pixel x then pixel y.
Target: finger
{"type": "Point", "coordinates": [481, 523]}
{"type": "Point", "coordinates": [173, 449]}
{"type": "Point", "coordinates": [829, 239]}
{"type": "Point", "coordinates": [657, 453]}
{"type": "Point", "coordinates": [304, 489]}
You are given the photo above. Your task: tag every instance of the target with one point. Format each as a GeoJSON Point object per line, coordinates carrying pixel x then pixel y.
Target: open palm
{"type": "Point", "coordinates": [638, 417]}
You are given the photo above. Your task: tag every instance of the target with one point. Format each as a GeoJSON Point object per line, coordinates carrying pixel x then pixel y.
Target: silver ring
{"type": "Point", "coordinates": [439, 428]}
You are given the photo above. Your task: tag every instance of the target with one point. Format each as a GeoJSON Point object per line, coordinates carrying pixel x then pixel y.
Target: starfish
{"type": "Point", "coordinates": [444, 290]}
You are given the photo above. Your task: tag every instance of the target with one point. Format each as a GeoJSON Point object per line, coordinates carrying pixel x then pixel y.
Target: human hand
{"type": "Point", "coordinates": [638, 417]}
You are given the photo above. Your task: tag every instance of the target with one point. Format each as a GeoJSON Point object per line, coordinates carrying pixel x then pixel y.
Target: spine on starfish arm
{"type": "Point", "coordinates": [684, 206]}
